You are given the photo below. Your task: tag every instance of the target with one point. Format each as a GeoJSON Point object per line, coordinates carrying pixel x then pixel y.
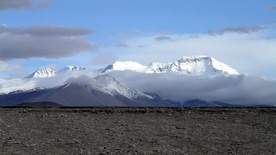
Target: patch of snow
{"type": "Point", "coordinates": [111, 86]}
{"type": "Point", "coordinates": [224, 68]}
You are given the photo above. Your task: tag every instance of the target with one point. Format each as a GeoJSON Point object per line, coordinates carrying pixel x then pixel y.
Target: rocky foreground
{"type": "Point", "coordinates": [137, 131]}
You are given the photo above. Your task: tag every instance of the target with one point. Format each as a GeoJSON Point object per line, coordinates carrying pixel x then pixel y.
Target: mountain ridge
{"type": "Point", "coordinates": [83, 94]}
{"type": "Point", "coordinates": [197, 65]}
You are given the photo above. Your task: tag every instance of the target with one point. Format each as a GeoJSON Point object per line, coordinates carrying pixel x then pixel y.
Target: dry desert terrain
{"type": "Point", "coordinates": [138, 131]}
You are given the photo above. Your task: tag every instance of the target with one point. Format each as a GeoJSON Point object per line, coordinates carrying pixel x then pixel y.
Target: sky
{"type": "Point", "coordinates": [95, 33]}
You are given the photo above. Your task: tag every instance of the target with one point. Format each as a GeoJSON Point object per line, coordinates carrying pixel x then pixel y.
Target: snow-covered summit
{"type": "Point", "coordinates": [42, 73]}
{"type": "Point", "coordinates": [201, 65]}
{"type": "Point", "coordinates": [198, 65]}
{"type": "Point", "coordinates": [124, 65]}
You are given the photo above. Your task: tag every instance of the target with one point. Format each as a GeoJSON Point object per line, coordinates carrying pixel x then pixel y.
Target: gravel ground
{"type": "Point", "coordinates": [137, 131]}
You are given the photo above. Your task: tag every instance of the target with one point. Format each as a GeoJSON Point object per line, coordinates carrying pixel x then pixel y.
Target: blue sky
{"type": "Point", "coordinates": [94, 33]}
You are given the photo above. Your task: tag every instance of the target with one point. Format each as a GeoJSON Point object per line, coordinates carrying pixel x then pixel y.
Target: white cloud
{"type": "Point", "coordinates": [7, 67]}
{"type": "Point", "coordinates": [241, 90]}
{"type": "Point", "coordinates": [61, 79]}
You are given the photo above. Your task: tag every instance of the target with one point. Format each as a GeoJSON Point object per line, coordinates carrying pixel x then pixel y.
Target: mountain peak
{"type": "Point", "coordinates": [43, 72]}
{"type": "Point", "coordinates": [124, 65]}
{"type": "Point", "coordinates": [202, 65]}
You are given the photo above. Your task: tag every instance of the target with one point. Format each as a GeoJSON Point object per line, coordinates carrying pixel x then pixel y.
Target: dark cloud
{"type": "Point", "coordinates": [163, 38]}
{"type": "Point", "coordinates": [46, 30]}
{"type": "Point", "coordinates": [51, 30]}
{"type": "Point", "coordinates": [244, 90]}
{"type": "Point", "coordinates": [273, 8]}
{"type": "Point", "coordinates": [24, 4]}
{"type": "Point", "coordinates": [42, 42]}
{"type": "Point", "coordinates": [121, 45]}
{"type": "Point", "coordinates": [241, 29]}
{"type": "Point", "coordinates": [104, 59]}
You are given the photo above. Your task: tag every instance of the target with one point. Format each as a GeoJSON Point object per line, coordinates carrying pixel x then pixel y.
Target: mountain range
{"type": "Point", "coordinates": [201, 65]}
{"type": "Point", "coordinates": [74, 86]}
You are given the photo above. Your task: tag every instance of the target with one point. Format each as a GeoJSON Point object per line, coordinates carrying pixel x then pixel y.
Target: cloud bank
{"type": "Point", "coordinates": [43, 41]}
{"type": "Point", "coordinates": [242, 90]}
{"type": "Point", "coordinates": [60, 79]}
{"type": "Point", "coordinates": [24, 4]}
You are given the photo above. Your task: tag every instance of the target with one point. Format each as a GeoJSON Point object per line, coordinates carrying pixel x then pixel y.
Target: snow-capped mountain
{"type": "Point", "coordinates": [102, 90]}
{"type": "Point", "coordinates": [74, 87]}
{"type": "Point", "coordinates": [47, 72]}
{"type": "Point", "coordinates": [196, 65]}
{"type": "Point", "coordinates": [42, 73]}
{"type": "Point", "coordinates": [201, 65]}
{"type": "Point", "coordinates": [71, 68]}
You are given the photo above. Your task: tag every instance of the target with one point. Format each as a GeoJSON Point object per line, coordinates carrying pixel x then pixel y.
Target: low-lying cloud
{"type": "Point", "coordinates": [24, 4]}
{"type": "Point", "coordinates": [242, 90]}
{"type": "Point", "coordinates": [237, 90]}
{"type": "Point", "coordinates": [44, 41]}
{"type": "Point", "coordinates": [63, 78]}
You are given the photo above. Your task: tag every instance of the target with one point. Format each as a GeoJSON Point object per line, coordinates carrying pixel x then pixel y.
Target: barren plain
{"type": "Point", "coordinates": [138, 131]}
